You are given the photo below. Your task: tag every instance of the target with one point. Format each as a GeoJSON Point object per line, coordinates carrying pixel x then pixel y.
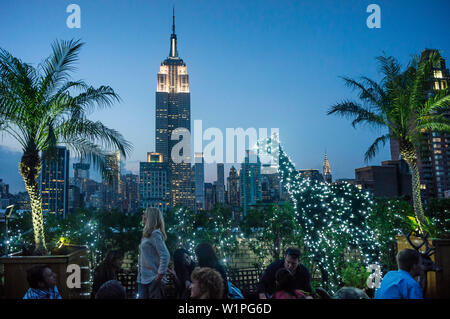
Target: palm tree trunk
{"type": "Point", "coordinates": [30, 166]}
{"type": "Point", "coordinates": [409, 155]}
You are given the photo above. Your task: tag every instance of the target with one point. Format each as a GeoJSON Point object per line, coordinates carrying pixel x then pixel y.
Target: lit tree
{"type": "Point", "coordinates": [188, 229]}
{"type": "Point", "coordinates": [333, 218]}
{"type": "Point", "coordinates": [270, 228]}
{"type": "Point", "coordinates": [39, 110]}
{"type": "Point", "coordinates": [401, 102]}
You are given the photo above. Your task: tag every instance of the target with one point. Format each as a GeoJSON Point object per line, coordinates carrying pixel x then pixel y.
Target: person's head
{"type": "Point", "coordinates": [181, 258]}
{"type": "Point", "coordinates": [41, 277]}
{"type": "Point", "coordinates": [350, 293]}
{"type": "Point", "coordinates": [111, 289]}
{"type": "Point", "coordinates": [410, 260]}
{"type": "Point", "coordinates": [206, 283]}
{"type": "Point", "coordinates": [206, 256]}
{"type": "Point", "coordinates": [152, 219]}
{"type": "Point", "coordinates": [291, 259]}
{"type": "Point", "coordinates": [114, 259]}
{"type": "Point", "coordinates": [284, 280]}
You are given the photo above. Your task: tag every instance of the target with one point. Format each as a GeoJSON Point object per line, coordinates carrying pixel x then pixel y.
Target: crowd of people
{"type": "Point", "coordinates": [287, 278]}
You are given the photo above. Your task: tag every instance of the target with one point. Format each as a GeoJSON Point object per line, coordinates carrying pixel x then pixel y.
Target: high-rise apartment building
{"type": "Point", "coordinates": [199, 181]}
{"type": "Point", "coordinates": [220, 185]}
{"type": "Point", "coordinates": [250, 181]}
{"type": "Point", "coordinates": [111, 181]}
{"type": "Point", "coordinates": [210, 198]}
{"type": "Point", "coordinates": [173, 113]}
{"type": "Point", "coordinates": [54, 181]}
{"type": "Point", "coordinates": [233, 188]}
{"type": "Point", "coordinates": [154, 182]}
{"type": "Point", "coordinates": [130, 192]}
{"type": "Point", "coordinates": [433, 155]}
{"type": "Point", "coordinates": [312, 174]}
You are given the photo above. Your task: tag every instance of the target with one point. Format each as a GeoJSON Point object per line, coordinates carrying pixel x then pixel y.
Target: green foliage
{"type": "Point", "coordinates": [389, 218]}
{"type": "Point", "coordinates": [333, 218]}
{"type": "Point", "coordinates": [187, 229]}
{"type": "Point", "coordinates": [99, 231]}
{"type": "Point", "coordinates": [354, 274]}
{"type": "Point", "coordinates": [41, 107]}
{"type": "Point", "coordinates": [271, 228]}
{"type": "Point", "coordinates": [438, 211]}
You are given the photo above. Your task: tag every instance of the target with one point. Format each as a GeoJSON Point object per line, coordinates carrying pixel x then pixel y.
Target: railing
{"type": "Point", "coordinates": [245, 279]}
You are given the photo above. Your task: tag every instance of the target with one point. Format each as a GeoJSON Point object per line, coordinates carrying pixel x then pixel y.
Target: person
{"type": "Point", "coordinates": [350, 293]}
{"type": "Point", "coordinates": [111, 289]}
{"type": "Point", "coordinates": [206, 283]}
{"type": "Point", "coordinates": [107, 270]}
{"type": "Point", "coordinates": [285, 286]}
{"type": "Point", "coordinates": [153, 255]}
{"type": "Point", "coordinates": [42, 282]}
{"type": "Point", "coordinates": [183, 266]}
{"type": "Point", "coordinates": [291, 261]}
{"type": "Point", "coordinates": [206, 257]}
{"type": "Point", "coordinates": [400, 284]}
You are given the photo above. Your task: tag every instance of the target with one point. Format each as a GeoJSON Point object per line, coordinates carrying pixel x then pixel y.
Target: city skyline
{"type": "Point", "coordinates": [238, 87]}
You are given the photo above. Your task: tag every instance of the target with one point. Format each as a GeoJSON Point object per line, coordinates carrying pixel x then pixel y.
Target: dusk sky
{"type": "Point", "coordinates": [261, 64]}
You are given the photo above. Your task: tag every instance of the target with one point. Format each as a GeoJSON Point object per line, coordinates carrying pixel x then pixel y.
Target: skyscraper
{"type": "Point", "coordinates": [327, 170]}
{"type": "Point", "coordinates": [81, 176]}
{"type": "Point", "coordinates": [434, 153]}
{"type": "Point", "coordinates": [233, 188]}
{"type": "Point", "coordinates": [173, 111]}
{"type": "Point", "coordinates": [111, 181]}
{"type": "Point", "coordinates": [154, 182]}
{"type": "Point", "coordinates": [199, 180]}
{"type": "Point", "coordinates": [433, 158]}
{"type": "Point", "coordinates": [209, 196]}
{"type": "Point", "coordinates": [54, 181]}
{"type": "Point", "coordinates": [250, 181]}
{"type": "Point", "coordinates": [312, 174]}
{"type": "Point", "coordinates": [130, 192]}
{"type": "Point", "coordinates": [220, 185]}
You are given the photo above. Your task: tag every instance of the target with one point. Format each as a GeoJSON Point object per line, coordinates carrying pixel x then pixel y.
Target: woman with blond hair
{"type": "Point", "coordinates": [153, 255]}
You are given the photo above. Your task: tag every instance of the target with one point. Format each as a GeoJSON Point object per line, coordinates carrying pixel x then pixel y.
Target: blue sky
{"type": "Point", "coordinates": [251, 63]}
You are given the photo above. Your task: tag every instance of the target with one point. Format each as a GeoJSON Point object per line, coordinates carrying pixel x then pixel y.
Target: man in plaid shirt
{"type": "Point", "coordinates": [42, 281]}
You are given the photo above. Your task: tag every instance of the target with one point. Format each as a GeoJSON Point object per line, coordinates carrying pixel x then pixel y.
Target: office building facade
{"type": "Point", "coordinates": [173, 113]}
{"type": "Point", "coordinates": [54, 182]}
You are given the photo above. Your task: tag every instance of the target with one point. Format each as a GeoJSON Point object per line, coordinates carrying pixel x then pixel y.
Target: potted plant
{"type": "Point", "coordinates": [354, 274]}
{"type": "Point", "coordinates": [41, 107]}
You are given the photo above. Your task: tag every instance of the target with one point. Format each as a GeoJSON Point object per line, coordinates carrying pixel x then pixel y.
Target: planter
{"type": "Point", "coordinates": [15, 268]}
{"type": "Point", "coordinates": [442, 259]}
{"type": "Point", "coordinates": [438, 283]}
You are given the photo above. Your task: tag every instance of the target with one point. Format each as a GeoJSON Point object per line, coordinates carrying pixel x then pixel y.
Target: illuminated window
{"type": "Point", "coordinates": [438, 74]}
{"type": "Point", "coordinates": [444, 84]}
{"type": "Point", "coordinates": [436, 85]}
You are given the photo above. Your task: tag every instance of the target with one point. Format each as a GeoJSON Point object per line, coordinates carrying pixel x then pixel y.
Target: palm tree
{"type": "Point", "coordinates": [41, 107]}
{"type": "Point", "coordinates": [403, 103]}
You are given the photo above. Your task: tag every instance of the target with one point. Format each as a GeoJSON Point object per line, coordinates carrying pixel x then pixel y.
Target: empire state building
{"type": "Point", "coordinates": [173, 111]}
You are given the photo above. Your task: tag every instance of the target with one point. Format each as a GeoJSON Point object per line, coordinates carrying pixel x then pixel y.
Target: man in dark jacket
{"type": "Point", "coordinates": [292, 263]}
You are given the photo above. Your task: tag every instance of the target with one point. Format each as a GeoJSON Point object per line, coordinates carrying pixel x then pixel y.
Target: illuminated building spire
{"type": "Point", "coordinates": [173, 39]}
{"type": "Point", "coordinates": [327, 169]}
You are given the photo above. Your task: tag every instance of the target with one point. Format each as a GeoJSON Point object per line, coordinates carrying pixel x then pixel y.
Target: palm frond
{"type": "Point", "coordinates": [94, 132]}
{"type": "Point", "coordinates": [357, 113]}
{"type": "Point", "coordinates": [59, 64]}
{"type": "Point", "coordinates": [373, 149]}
